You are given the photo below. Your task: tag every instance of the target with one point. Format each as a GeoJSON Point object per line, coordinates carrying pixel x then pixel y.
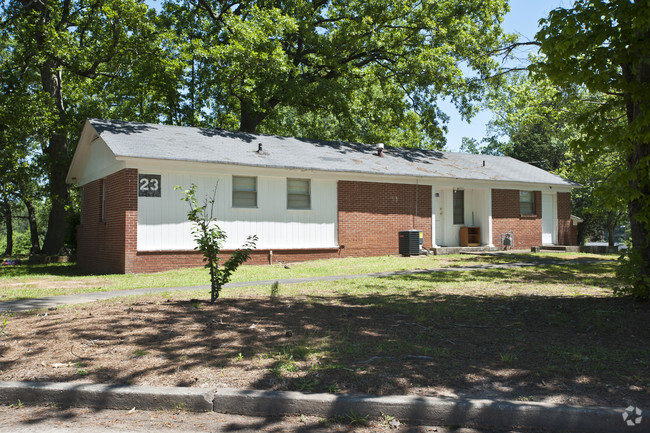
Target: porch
{"type": "Point", "coordinates": [439, 251]}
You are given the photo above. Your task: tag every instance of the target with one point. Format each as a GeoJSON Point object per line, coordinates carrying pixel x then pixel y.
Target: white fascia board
{"type": "Point", "coordinates": [93, 159]}
{"type": "Point", "coordinates": [100, 174]}
{"type": "Point", "coordinates": [80, 157]}
{"type": "Point", "coordinates": [99, 162]}
{"type": "Point", "coordinates": [543, 187]}
{"type": "Point", "coordinates": [151, 164]}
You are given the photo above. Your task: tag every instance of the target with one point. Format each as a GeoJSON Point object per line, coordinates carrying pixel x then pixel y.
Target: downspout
{"type": "Point", "coordinates": [416, 202]}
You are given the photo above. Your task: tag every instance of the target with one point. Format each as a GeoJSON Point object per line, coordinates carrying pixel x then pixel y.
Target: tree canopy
{"type": "Point", "coordinates": [370, 70]}
{"type": "Point", "coordinates": [68, 55]}
{"type": "Point", "coordinates": [604, 45]}
{"type": "Point", "coordinates": [537, 122]}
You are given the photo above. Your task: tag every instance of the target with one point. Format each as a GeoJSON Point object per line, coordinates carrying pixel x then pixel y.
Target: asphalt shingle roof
{"type": "Point", "coordinates": [144, 140]}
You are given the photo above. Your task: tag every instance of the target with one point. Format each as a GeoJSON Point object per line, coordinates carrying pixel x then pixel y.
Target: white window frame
{"type": "Point", "coordinates": [453, 204]}
{"type": "Point", "coordinates": [308, 194]}
{"type": "Point", "coordinates": [527, 198]}
{"type": "Point", "coordinates": [236, 192]}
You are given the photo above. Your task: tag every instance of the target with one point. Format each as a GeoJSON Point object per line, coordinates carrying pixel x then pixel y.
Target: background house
{"type": "Point", "coordinates": [304, 199]}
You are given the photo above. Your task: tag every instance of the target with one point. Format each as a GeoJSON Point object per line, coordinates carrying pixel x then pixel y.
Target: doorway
{"type": "Point", "coordinates": [548, 223]}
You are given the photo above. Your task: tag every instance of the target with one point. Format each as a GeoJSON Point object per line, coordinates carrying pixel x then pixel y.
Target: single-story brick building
{"type": "Point", "coordinates": [304, 199]}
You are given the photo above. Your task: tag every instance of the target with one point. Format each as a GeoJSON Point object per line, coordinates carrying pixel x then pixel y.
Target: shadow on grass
{"type": "Point", "coordinates": [582, 350]}
{"type": "Point", "coordinates": [70, 269]}
{"type": "Point", "coordinates": [517, 347]}
{"type": "Point", "coordinates": [598, 274]}
{"type": "Point", "coordinates": [35, 270]}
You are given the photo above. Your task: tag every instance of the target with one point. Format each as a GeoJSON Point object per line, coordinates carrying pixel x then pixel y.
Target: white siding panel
{"type": "Point", "coordinates": [163, 225]}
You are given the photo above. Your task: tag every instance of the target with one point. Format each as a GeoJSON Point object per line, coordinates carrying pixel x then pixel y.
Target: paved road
{"type": "Point", "coordinates": [56, 301]}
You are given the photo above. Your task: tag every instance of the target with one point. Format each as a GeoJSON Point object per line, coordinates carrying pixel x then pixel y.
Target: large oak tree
{"type": "Point", "coordinates": [71, 51]}
{"type": "Point", "coordinates": [604, 45]}
{"type": "Point", "coordinates": [369, 70]}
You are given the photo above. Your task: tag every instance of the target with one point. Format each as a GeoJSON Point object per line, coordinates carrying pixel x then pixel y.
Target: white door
{"type": "Point", "coordinates": [438, 201]}
{"type": "Point", "coordinates": [547, 219]}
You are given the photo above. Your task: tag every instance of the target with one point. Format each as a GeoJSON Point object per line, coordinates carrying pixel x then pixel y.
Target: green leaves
{"type": "Point", "coordinates": [604, 46]}
{"type": "Point", "coordinates": [209, 239]}
{"type": "Point", "coordinates": [373, 69]}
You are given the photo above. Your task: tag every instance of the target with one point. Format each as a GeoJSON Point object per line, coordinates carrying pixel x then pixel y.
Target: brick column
{"type": "Point", "coordinates": [107, 246]}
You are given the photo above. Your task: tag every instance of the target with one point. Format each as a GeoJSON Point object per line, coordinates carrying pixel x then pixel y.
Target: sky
{"type": "Point", "coordinates": [522, 19]}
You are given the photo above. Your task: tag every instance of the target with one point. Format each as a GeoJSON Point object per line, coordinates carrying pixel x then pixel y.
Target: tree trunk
{"type": "Point", "coordinates": [610, 234]}
{"type": "Point", "coordinates": [250, 118]}
{"type": "Point", "coordinates": [33, 228]}
{"type": "Point", "coordinates": [638, 210]}
{"type": "Point", "coordinates": [9, 226]}
{"type": "Point", "coordinates": [637, 163]}
{"type": "Point", "coordinates": [57, 152]}
{"type": "Point", "coordinates": [59, 195]}
{"type": "Point", "coordinates": [582, 230]}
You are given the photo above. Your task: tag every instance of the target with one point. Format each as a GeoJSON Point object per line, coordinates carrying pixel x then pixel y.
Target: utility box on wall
{"type": "Point", "coordinates": [410, 242]}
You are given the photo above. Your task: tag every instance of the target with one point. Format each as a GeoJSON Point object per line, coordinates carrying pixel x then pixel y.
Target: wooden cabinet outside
{"type": "Point", "coordinates": [470, 236]}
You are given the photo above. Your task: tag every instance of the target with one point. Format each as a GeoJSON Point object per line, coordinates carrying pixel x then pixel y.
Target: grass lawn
{"type": "Point", "coordinates": [33, 281]}
{"type": "Point", "coordinates": [552, 333]}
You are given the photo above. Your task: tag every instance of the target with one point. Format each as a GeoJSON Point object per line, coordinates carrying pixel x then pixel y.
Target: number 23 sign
{"type": "Point", "coordinates": [149, 185]}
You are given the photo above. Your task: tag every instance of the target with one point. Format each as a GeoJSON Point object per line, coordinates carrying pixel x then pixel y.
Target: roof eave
{"type": "Point", "coordinates": [132, 161]}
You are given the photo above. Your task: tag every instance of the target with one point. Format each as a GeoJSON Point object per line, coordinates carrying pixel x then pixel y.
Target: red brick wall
{"type": "Point", "coordinates": [369, 219]}
{"type": "Point", "coordinates": [506, 216]}
{"type": "Point", "coordinates": [371, 214]}
{"type": "Point", "coordinates": [101, 244]}
{"type": "Point", "coordinates": [567, 232]}
{"type": "Point", "coordinates": [157, 261]}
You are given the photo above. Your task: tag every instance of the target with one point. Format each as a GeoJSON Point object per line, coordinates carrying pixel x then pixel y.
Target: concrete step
{"type": "Point", "coordinates": [593, 249]}
{"type": "Point", "coordinates": [439, 251]}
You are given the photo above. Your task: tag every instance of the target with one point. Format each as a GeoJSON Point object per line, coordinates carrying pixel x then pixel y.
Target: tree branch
{"type": "Point", "coordinates": [508, 49]}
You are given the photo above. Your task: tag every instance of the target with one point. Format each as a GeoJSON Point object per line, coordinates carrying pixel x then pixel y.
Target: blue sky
{"type": "Point", "coordinates": [522, 19]}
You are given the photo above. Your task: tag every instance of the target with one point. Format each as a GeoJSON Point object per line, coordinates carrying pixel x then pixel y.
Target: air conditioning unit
{"type": "Point", "coordinates": [410, 242]}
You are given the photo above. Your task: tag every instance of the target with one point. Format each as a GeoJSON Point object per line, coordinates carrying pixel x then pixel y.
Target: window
{"type": "Point", "coordinates": [102, 203]}
{"type": "Point", "coordinates": [459, 206]}
{"type": "Point", "coordinates": [244, 191]}
{"type": "Point", "coordinates": [298, 194]}
{"type": "Point", "coordinates": [526, 202]}
{"type": "Point", "coordinates": [81, 205]}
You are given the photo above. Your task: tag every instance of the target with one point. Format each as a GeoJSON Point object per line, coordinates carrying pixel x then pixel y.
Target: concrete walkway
{"type": "Point", "coordinates": [81, 298]}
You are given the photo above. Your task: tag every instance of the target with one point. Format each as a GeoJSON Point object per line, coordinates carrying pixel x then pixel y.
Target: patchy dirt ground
{"type": "Point", "coordinates": [528, 348]}
{"type": "Point", "coordinates": [72, 420]}
{"type": "Point", "coordinates": [54, 283]}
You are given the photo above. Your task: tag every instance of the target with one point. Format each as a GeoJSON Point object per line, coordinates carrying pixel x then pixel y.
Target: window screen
{"type": "Point", "coordinates": [526, 203]}
{"type": "Point", "coordinates": [459, 206]}
{"type": "Point", "coordinates": [244, 191]}
{"type": "Point", "coordinates": [298, 194]}
{"type": "Point", "coordinates": [102, 204]}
